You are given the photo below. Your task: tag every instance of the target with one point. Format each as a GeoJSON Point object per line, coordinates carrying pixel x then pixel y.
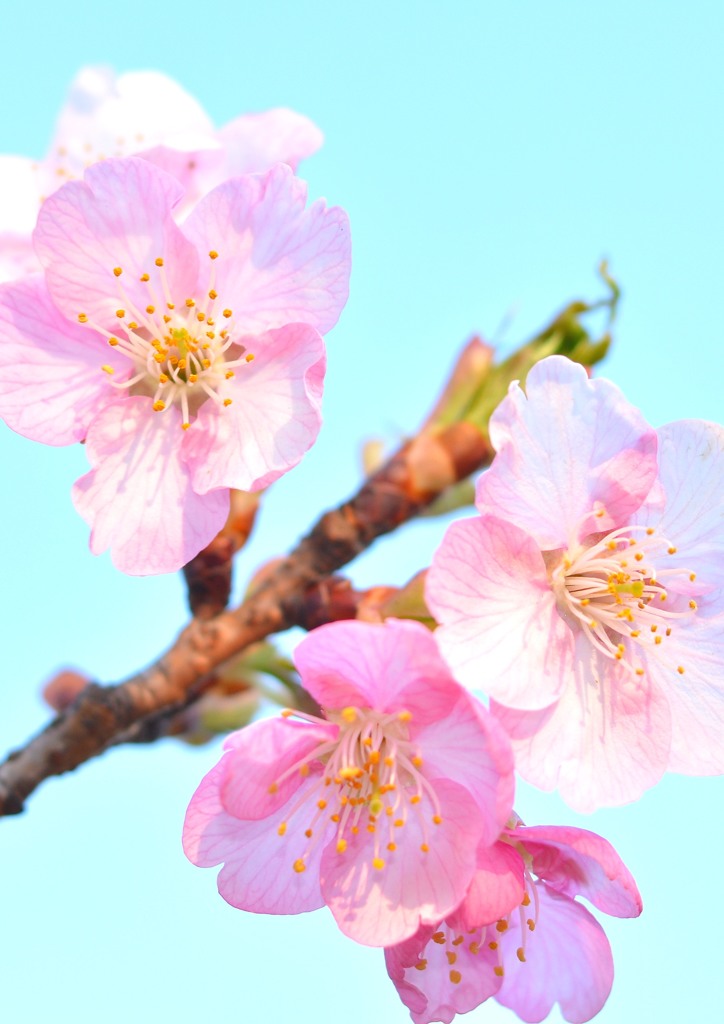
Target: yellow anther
{"type": "Point", "coordinates": [439, 938]}
{"type": "Point", "coordinates": [600, 512]}
{"type": "Point", "coordinates": [150, 309]}
{"type": "Point", "coordinates": [170, 305]}
{"type": "Point", "coordinates": [349, 772]}
{"type": "Point", "coordinates": [654, 628]}
{"type": "Point", "coordinates": [531, 924]}
{"type": "Point", "coordinates": [425, 848]}
{"type": "Point", "coordinates": [455, 977]}
{"type": "Point", "coordinates": [299, 866]}
{"type": "Point", "coordinates": [680, 669]}
{"type": "Point", "coordinates": [273, 788]}
{"type": "Point", "coordinates": [405, 716]}
{"type": "Point", "coordinates": [498, 972]}
{"type": "Point", "coordinates": [459, 940]}
{"type": "Point", "coordinates": [213, 294]}
{"type": "Point", "coordinates": [493, 946]}
{"type": "Point", "coordinates": [249, 357]}
{"type": "Point", "coordinates": [639, 556]}
{"type": "Point", "coordinates": [640, 672]}
{"type": "Point", "coordinates": [415, 799]}
{"type": "Point", "coordinates": [649, 531]}
{"type": "Point", "coordinates": [308, 833]}
{"type": "Point", "coordinates": [120, 313]}
{"type": "Point", "coordinates": [282, 828]}
{"type": "Point", "coordinates": [392, 847]}
{"type": "Point", "coordinates": [668, 631]}
{"type": "Point", "coordinates": [389, 761]}
{"type": "Point", "coordinates": [213, 255]}
{"type": "Point", "coordinates": [341, 845]}
{"type": "Point", "coordinates": [436, 819]}
{"type": "Point", "coordinates": [166, 319]}
{"type": "Point", "coordinates": [227, 402]}
{"type": "Point", "coordinates": [117, 271]}
{"type": "Point", "coordinates": [349, 714]}
{"type": "Point", "coordinates": [206, 363]}
{"type": "Point", "coordinates": [371, 828]}
{"type": "Point", "coordinates": [671, 550]}
{"type": "Point", "coordinates": [378, 863]}
{"type": "Point", "coordinates": [520, 953]}
{"type": "Point", "coordinates": [228, 313]}
{"type": "Point", "coordinates": [474, 948]}
{"type": "Point", "coordinates": [132, 325]}
{"type": "Point", "coordinates": [158, 262]}
{"type": "Point", "coordinates": [635, 633]}
{"type": "Point", "coordinates": [200, 317]}
{"type": "Point", "coordinates": [692, 576]}
{"type": "Point", "coordinates": [657, 639]}
{"type": "Point", "coordinates": [421, 965]}
{"type": "Point", "coordinates": [501, 926]}
{"type": "Point", "coordinates": [398, 823]}
{"type": "Point", "coordinates": [145, 277]}
{"type": "Point", "coordinates": [321, 804]}
{"type": "Point", "coordinates": [193, 377]}
{"type": "Point", "coordinates": [612, 545]}
{"type": "Point", "coordinates": [160, 357]}
{"type": "Point", "coordinates": [585, 601]}
{"type": "Point", "coordinates": [304, 770]}
{"type": "Point", "coordinates": [451, 957]}
{"type": "Point", "coordinates": [287, 713]}
{"type": "Point", "coordinates": [693, 605]}
{"type": "Point", "coordinates": [185, 426]}
{"type": "Point", "coordinates": [82, 318]}
{"type": "Point", "coordinates": [334, 818]}
{"type": "Point", "coordinates": [525, 902]}
{"type": "Point", "coordinates": [159, 406]}
{"type": "Point", "coordinates": [107, 369]}
{"type": "Point", "coordinates": [190, 303]}
{"type": "Point", "coordinates": [417, 761]}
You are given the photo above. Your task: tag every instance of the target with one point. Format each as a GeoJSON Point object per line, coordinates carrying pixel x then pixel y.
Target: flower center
{"type": "Point", "coordinates": [613, 587]}
{"type": "Point", "coordinates": [179, 354]}
{"type": "Point", "coordinates": [368, 780]}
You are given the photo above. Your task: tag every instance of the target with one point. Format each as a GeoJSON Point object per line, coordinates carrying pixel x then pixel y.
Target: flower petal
{"type": "Point", "coordinates": [572, 446]}
{"type": "Point", "coordinates": [691, 469]}
{"type": "Point", "coordinates": [254, 142]}
{"type": "Point", "coordinates": [278, 262]}
{"type": "Point", "coordinates": [51, 382]}
{"type": "Point", "coordinates": [422, 973]}
{"type": "Point", "coordinates": [576, 862]}
{"type": "Point", "coordinates": [257, 873]}
{"type": "Point", "coordinates": [497, 888]}
{"type": "Point", "coordinates": [500, 630]}
{"type": "Point", "coordinates": [380, 907]}
{"type": "Point", "coordinates": [568, 961]}
{"type": "Point", "coordinates": [274, 419]}
{"type": "Point", "coordinates": [469, 747]}
{"type": "Point", "coordinates": [390, 667]}
{"type": "Point", "coordinates": [259, 756]}
{"type": "Point", "coordinates": [119, 216]}
{"type": "Point", "coordinates": [604, 743]}
{"type": "Point", "coordinates": [138, 497]}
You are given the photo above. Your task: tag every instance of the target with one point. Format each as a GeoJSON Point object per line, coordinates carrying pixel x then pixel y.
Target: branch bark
{"type": "Point", "coordinates": [100, 716]}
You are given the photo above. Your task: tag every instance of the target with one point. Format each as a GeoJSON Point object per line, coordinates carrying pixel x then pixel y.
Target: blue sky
{"type": "Point", "coordinates": [489, 156]}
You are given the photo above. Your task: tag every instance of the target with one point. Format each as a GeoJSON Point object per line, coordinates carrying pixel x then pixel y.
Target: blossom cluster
{"type": "Point", "coordinates": [166, 293]}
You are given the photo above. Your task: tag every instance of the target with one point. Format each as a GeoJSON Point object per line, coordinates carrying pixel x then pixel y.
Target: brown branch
{"type": "Point", "coordinates": [101, 715]}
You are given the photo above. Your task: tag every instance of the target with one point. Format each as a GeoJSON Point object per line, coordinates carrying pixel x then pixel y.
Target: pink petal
{"type": "Point", "coordinates": [390, 667]}
{"type": "Point", "coordinates": [259, 755]}
{"type": "Point", "coordinates": [696, 696]}
{"type": "Point", "coordinates": [691, 468]}
{"type": "Point", "coordinates": [571, 446]}
{"type": "Point", "coordinates": [604, 743]}
{"type": "Point", "coordinates": [468, 746]}
{"type": "Point", "coordinates": [576, 862]}
{"type": "Point", "coordinates": [254, 142]}
{"type": "Point", "coordinates": [500, 629]}
{"type": "Point", "coordinates": [427, 989]}
{"type": "Point", "coordinates": [138, 497]}
{"type": "Point", "coordinates": [17, 257]}
{"type": "Point", "coordinates": [274, 419]}
{"type": "Point", "coordinates": [380, 907]}
{"type": "Point", "coordinates": [110, 116]}
{"type": "Point", "coordinates": [278, 262]}
{"type": "Point", "coordinates": [51, 382]}
{"type": "Point", "coordinates": [258, 873]}
{"type": "Point", "coordinates": [568, 961]}
{"type": "Point", "coordinates": [118, 216]}
{"type": "Point", "coordinates": [497, 888]}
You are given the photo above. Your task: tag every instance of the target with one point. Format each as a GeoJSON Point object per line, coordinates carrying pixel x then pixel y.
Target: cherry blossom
{"type": "Point", "coordinates": [520, 935]}
{"type": "Point", "coordinates": [190, 360]}
{"type": "Point", "coordinates": [587, 598]}
{"type": "Point", "coordinates": [140, 112]}
{"type": "Point", "coordinates": [374, 808]}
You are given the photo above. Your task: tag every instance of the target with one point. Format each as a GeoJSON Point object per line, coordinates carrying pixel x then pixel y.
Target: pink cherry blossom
{"type": "Point", "coordinates": [189, 360]}
{"type": "Point", "coordinates": [140, 112]}
{"type": "Point", "coordinates": [375, 808]}
{"type": "Point", "coordinates": [520, 935]}
{"type": "Point", "coordinates": [587, 598]}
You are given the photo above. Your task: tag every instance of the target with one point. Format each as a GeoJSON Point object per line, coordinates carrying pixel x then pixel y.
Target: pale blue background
{"type": "Point", "coordinates": [488, 155]}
